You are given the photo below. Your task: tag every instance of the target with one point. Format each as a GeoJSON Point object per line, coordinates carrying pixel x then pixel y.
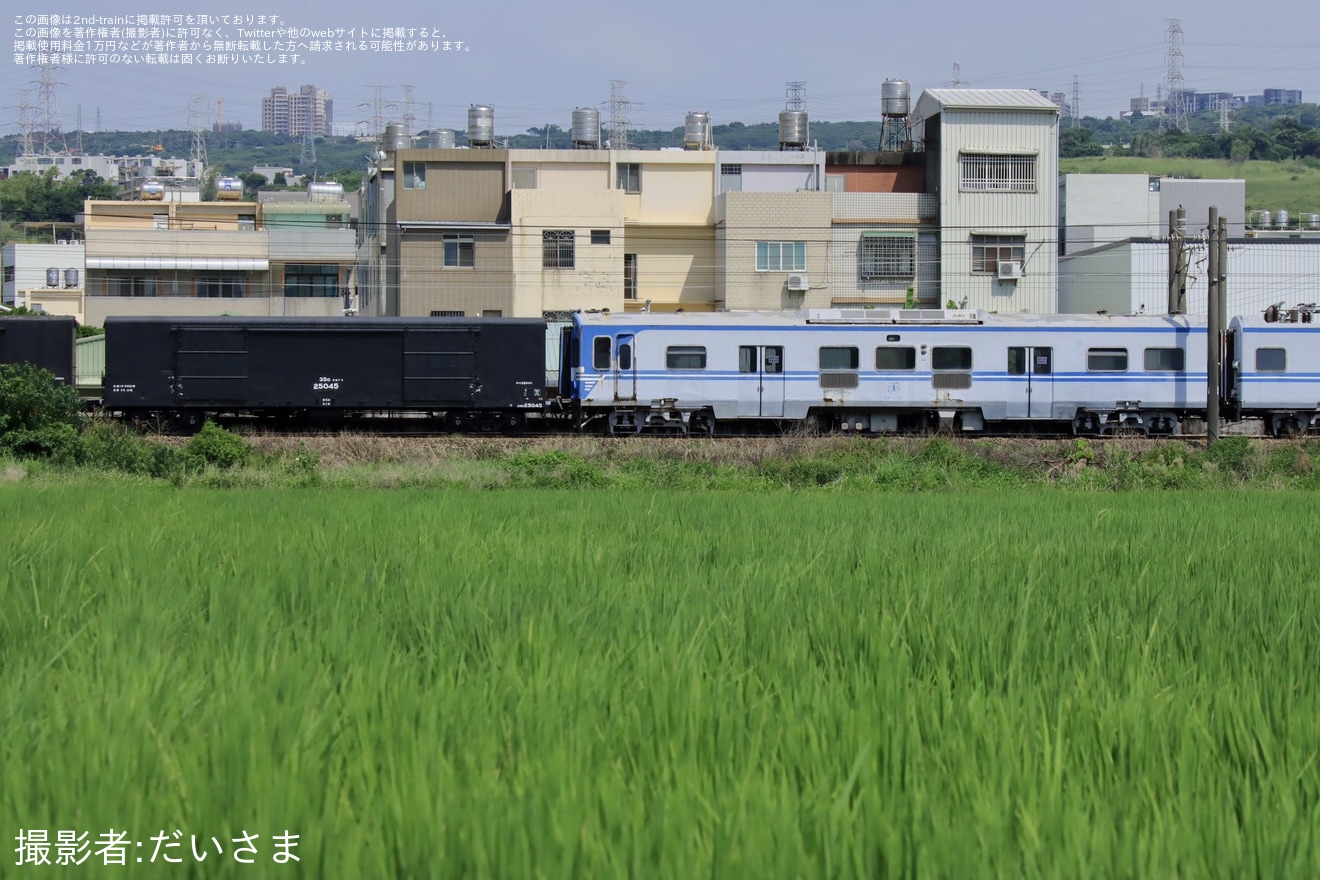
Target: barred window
{"type": "Point", "coordinates": [557, 249]}
{"type": "Point", "coordinates": [989, 250]}
{"type": "Point", "coordinates": [886, 255]}
{"type": "Point", "coordinates": [630, 177]}
{"type": "Point", "coordinates": [984, 172]}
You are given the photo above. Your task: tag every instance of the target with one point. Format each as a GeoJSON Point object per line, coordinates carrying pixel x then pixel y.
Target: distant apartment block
{"type": "Point", "coordinates": [1201, 102]}
{"type": "Point", "coordinates": [308, 111]}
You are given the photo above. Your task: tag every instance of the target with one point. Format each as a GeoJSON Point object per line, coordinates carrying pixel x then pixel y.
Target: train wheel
{"type": "Point", "coordinates": [512, 423]}
{"type": "Point", "coordinates": [456, 421]}
{"type": "Point", "coordinates": [187, 422]}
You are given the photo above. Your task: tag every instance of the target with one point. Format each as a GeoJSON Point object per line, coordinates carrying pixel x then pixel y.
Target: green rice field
{"type": "Point", "coordinates": [546, 683]}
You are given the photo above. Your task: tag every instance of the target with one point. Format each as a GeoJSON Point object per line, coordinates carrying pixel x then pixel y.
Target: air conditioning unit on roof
{"type": "Point", "coordinates": [798, 283]}
{"type": "Point", "coordinates": [1009, 270]}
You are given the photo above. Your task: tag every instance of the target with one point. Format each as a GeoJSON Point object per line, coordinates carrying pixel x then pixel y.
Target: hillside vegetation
{"type": "Point", "coordinates": [1292, 185]}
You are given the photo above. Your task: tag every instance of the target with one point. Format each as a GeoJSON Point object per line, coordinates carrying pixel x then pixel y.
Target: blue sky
{"type": "Point", "coordinates": [534, 63]}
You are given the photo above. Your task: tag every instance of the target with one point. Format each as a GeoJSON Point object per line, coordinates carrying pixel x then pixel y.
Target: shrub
{"type": "Point", "coordinates": [216, 446]}
{"type": "Point", "coordinates": [39, 416]}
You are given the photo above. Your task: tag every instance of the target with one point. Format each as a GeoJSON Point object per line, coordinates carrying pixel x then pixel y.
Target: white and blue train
{"type": "Point", "coordinates": [880, 370]}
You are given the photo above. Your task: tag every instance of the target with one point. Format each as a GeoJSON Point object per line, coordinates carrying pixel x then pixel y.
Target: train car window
{"type": "Point", "coordinates": [895, 357]}
{"type": "Point", "coordinates": [838, 357]}
{"type": "Point", "coordinates": [1017, 361]}
{"type": "Point", "coordinates": [774, 359]}
{"type": "Point", "coordinates": [747, 358]}
{"type": "Point", "coordinates": [1107, 360]}
{"type": "Point", "coordinates": [625, 357]}
{"type": "Point", "coordinates": [1271, 360]}
{"type": "Point", "coordinates": [1166, 360]}
{"type": "Point", "coordinates": [685, 357]}
{"type": "Point", "coordinates": [600, 352]}
{"type": "Point", "coordinates": [944, 357]}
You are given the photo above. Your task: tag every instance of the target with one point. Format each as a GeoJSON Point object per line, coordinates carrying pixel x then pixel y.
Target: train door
{"type": "Point", "coordinates": [761, 381]}
{"type": "Point", "coordinates": [625, 367]}
{"type": "Point", "coordinates": [1030, 382]}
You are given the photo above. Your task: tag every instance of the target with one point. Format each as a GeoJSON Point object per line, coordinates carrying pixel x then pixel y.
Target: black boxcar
{"type": "Point", "coordinates": [477, 371]}
{"type": "Point", "coordinates": [49, 342]}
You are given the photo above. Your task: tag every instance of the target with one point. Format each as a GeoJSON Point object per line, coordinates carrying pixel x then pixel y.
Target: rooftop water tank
{"type": "Point", "coordinates": [70, 278]}
{"type": "Point", "coordinates": [229, 189]}
{"type": "Point", "coordinates": [152, 191]}
{"type": "Point", "coordinates": [441, 139]}
{"type": "Point", "coordinates": [586, 128]}
{"type": "Point", "coordinates": [396, 137]}
{"type": "Point", "coordinates": [696, 130]}
{"type": "Point", "coordinates": [792, 129]}
{"type": "Point", "coordinates": [895, 97]}
{"type": "Point", "coordinates": [481, 125]}
{"type": "Point", "coordinates": [52, 277]}
{"type": "Point", "coordinates": [325, 191]}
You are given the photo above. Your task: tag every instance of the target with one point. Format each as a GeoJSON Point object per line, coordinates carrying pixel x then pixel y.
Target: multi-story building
{"type": "Point", "coordinates": [992, 162]}
{"type": "Point", "coordinates": [222, 257]}
{"type": "Point", "coordinates": [540, 232]}
{"type": "Point", "coordinates": [309, 111]}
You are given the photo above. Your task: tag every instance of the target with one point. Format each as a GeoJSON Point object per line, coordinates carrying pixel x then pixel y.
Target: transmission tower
{"type": "Point", "coordinates": [1076, 102]}
{"type": "Point", "coordinates": [408, 116]}
{"type": "Point", "coordinates": [307, 160]}
{"type": "Point", "coordinates": [80, 142]}
{"type": "Point", "coordinates": [795, 94]}
{"type": "Point", "coordinates": [52, 136]}
{"type": "Point", "coordinates": [619, 121]}
{"type": "Point", "coordinates": [1224, 106]}
{"type": "Point", "coordinates": [1175, 92]}
{"type": "Point", "coordinates": [25, 124]}
{"type": "Point", "coordinates": [197, 122]}
{"type": "Point", "coordinates": [378, 107]}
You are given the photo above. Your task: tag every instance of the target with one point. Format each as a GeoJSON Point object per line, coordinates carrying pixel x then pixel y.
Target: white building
{"type": "Point", "coordinates": [1131, 277]}
{"type": "Point", "coordinates": [52, 270]}
{"type": "Point", "coordinates": [992, 163]}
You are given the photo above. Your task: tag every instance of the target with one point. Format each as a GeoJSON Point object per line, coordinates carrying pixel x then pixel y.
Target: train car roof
{"type": "Point", "coordinates": [881, 317]}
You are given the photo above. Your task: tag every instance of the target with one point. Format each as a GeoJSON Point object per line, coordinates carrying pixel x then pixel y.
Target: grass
{"type": "Point", "coordinates": [625, 683]}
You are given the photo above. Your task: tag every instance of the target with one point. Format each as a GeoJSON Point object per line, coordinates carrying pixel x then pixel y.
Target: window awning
{"type": "Point", "coordinates": [197, 264]}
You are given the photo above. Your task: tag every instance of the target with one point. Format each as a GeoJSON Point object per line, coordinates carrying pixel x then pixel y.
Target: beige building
{"type": "Point", "coordinates": [477, 232]}
{"type": "Point", "coordinates": [212, 258]}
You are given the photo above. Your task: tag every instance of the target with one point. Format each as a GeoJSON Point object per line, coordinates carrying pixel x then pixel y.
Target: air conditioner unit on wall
{"type": "Point", "coordinates": [1009, 270]}
{"type": "Point", "coordinates": [798, 283]}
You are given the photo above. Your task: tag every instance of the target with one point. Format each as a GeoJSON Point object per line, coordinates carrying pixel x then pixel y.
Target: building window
{"type": "Point", "coordinates": [131, 285]}
{"type": "Point", "coordinates": [781, 256]}
{"type": "Point", "coordinates": [600, 236]}
{"type": "Point", "coordinates": [630, 177]}
{"type": "Point", "coordinates": [9, 274]}
{"type": "Point", "coordinates": [220, 286]}
{"type": "Point", "coordinates": [557, 249]}
{"type": "Point", "coordinates": [730, 178]}
{"type": "Point", "coordinates": [318, 280]}
{"type": "Point", "coordinates": [160, 221]}
{"type": "Point", "coordinates": [630, 276]}
{"type": "Point", "coordinates": [1165, 360]}
{"type": "Point", "coordinates": [1107, 360]}
{"type": "Point", "coordinates": [460, 251]}
{"type": "Point", "coordinates": [886, 255]}
{"type": "Point", "coordinates": [414, 175]}
{"type": "Point", "coordinates": [989, 250]}
{"type": "Point", "coordinates": [685, 357]}
{"type": "Point", "coordinates": [1271, 360]}
{"type": "Point", "coordinates": [524, 178]}
{"type": "Point", "coordinates": [985, 172]}
{"type": "Point", "coordinates": [247, 222]}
